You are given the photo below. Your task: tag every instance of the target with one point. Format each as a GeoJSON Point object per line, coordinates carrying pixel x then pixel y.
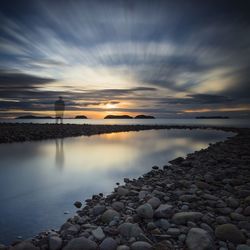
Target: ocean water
{"type": "Point", "coordinates": [240, 123]}
{"type": "Point", "coordinates": [41, 180]}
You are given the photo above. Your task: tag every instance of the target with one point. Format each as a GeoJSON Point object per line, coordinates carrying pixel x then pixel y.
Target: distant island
{"type": "Point", "coordinates": [81, 117]}
{"type": "Point", "coordinates": [33, 117]}
{"type": "Point", "coordinates": [211, 117]}
{"type": "Point", "coordinates": [118, 117]}
{"type": "Point", "coordinates": [144, 117]}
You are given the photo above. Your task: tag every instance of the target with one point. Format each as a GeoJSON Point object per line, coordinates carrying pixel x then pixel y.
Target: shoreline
{"type": "Point", "coordinates": [21, 132]}
{"type": "Point", "coordinates": [197, 203]}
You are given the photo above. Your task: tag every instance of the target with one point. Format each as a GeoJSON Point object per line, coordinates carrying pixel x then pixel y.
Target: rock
{"type": "Point", "coordinates": [128, 230]}
{"type": "Point", "coordinates": [98, 234]}
{"type": "Point", "coordinates": [237, 216]}
{"type": "Point", "coordinates": [145, 211]}
{"type": "Point", "coordinates": [173, 231]}
{"type": "Point", "coordinates": [81, 243]}
{"type": "Point", "coordinates": [77, 204]}
{"type": "Point", "coordinates": [154, 202]}
{"type": "Point", "coordinates": [142, 194]}
{"type": "Point", "coordinates": [232, 202]}
{"type": "Point", "coordinates": [243, 247]}
{"type": "Point", "coordinates": [141, 245]}
{"type": "Point", "coordinates": [229, 232]}
{"type": "Point", "coordinates": [117, 205]}
{"type": "Point", "coordinates": [122, 191]}
{"type": "Point", "coordinates": [184, 217]}
{"type": "Point", "coordinates": [108, 244]}
{"type": "Point", "coordinates": [163, 211]}
{"type": "Point", "coordinates": [55, 243]}
{"type": "Point", "coordinates": [98, 209]}
{"type": "Point", "coordinates": [109, 215]}
{"type": "Point", "coordinates": [188, 197]}
{"type": "Point", "coordinates": [222, 220]}
{"type": "Point", "coordinates": [247, 211]}
{"type": "Point", "coordinates": [177, 160]}
{"type": "Point", "coordinates": [199, 239]}
{"type": "Point", "coordinates": [24, 245]}
{"type": "Point", "coordinates": [163, 223]}
{"type": "Point", "coordinates": [123, 247]}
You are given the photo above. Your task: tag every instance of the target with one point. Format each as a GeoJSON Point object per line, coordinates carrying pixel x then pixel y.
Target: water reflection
{"type": "Point", "coordinates": [59, 157]}
{"type": "Point", "coordinates": [88, 165]}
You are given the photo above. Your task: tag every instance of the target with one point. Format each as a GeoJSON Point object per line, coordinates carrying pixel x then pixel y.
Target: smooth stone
{"type": "Point", "coordinates": [163, 211]}
{"type": "Point", "coordinates": [184, 217]}
{"type": "Point", "coordinates": [55, 243]}
{"type": "Point", "coordinates": [123, 247]}
{"type": "Point", "coordinates": [98, 233]}
{"type": "Point", "coordinates": [108, 244]}
{"type": "Point", "coordinates": [236, 216]}
{"type": "Point", "coordinates": [142, 194]}
{"type": "Point", "coordinates": [229, 232]}
{"type": "Point", "coordinates": [222, 220]}
{"type": "Point", "coordinates": [199, 239]}
{"type": "Point", "coordinates": [174, 231]}
{"type": "Point", "coordinates": [163, 223]}
{"type": "Point", "coordinates": [154, 202]}
{"type": "Point", "coordinates": [141, 245]}
{"type": "Point", "coordinates": [109, 215]}
{"type": "Point", "coordinates": [188, 197]}
{"type": "Point", "coordinates": [122, 191]}
{"type": "Point", "coordinates": [145, 211]}
{"type": "Point", "coordinates": [128, 230]}
{"type": "Point", "coordinates": [232, 202]}
{"type": "Point", "coordinates": [98, 209]}
{"type": "Point", "coordinates": [117, 205]}
{"type": "Point", "coordinates": [81, 243]}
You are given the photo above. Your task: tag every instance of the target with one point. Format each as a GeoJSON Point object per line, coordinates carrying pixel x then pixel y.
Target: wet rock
{"type": "Point", "coordinates": [232, 202]}
{"type": "Point", "coordinates": [55, 243]}
{"type": "Point", "coordinates": [108, 244]}
{"type": "Point", "coordinates": [122, 191]}
{"type": "Point", "coordinates": [229, 232]}
{"type": "Point", "coordinates": [98, 209]}
{"type": "Point", "coordinates": [117, 205]}
{"type": "Point", "coordinates": [109, 215]}
{"type": "Point", "coordinates": [199, 239]}
{"type": "Point", "coordinates": [123, 247]}
{"type": "Point", "coordinates": [145, 211]}
{"type": "Point", "coordinates": [81, 243]}
{"type": "Point", "coordinates": [243, 247]}
{"type": "Point", "coordinates": [177, 160]}
{"type": "Point", "coordinates": [77, 204]}
{"type": "Point", "coordinates": [184, 217]}
{"type": "Point", "coordinates": [25, 245]}
{"type": "Point", "coordinates": [141, 245]}
{"type": "Point", "coordinates": [247, 211]}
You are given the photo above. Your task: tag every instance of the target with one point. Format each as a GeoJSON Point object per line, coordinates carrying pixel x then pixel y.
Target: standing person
{"type": "Point", "coordinates": [59, 109]}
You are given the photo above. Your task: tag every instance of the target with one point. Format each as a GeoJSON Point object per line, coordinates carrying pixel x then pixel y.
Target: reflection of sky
{"type": "Point", "coordinates": [31, 179]}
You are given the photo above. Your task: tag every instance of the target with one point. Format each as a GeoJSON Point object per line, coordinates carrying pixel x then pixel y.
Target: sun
{"type": "Point", "coordinates": [110, 106]}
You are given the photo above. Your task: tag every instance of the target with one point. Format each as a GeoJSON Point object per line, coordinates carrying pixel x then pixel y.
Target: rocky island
{"type": "Point", "coordinates": [144, 117]}
{"type": "Point", "coordinates": [118, 117]}
{"type": "Point", "coordinates": [81, 117]}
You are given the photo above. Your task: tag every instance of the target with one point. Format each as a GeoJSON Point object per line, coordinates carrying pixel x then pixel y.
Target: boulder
{"type": "Point", "coordinates": [199, 239]}
{"type": "Point", "coordinates": [109, 215]}
{"type": "Point", "coordinates": [141, 245]}
{"type": "Point", "coordinates": [128, 230]}
{"type": "Point", "coordinates": [163, 211]}
{"type": "Point", "coordinates": [55, 243]}
{"type": "Point", "coordinates": [77, 204]}
{"type": "Point", "coordinates": [154, 202]}
{"type": "Point", "coordinates": [98, 233]}
{"type": "Point", "coordinates": [229, 232]}
{"type": "Point", "coordinates": [81, 243]}
{"type": "Point", "coordinates": [145, 211]}
{"type": "Point", "coordinates": [184, 217]}
{"type": "Point", "coordinates": [24, 245]}
{"type": "Point", "coordinates": [108, 244]}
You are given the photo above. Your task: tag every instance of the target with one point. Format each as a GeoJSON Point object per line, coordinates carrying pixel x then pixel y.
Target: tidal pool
{"type": "Point", "coordinates": [39, 181]}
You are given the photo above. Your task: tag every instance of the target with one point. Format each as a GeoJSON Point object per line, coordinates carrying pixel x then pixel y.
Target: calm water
{"type": "Point", "coordinates": [213, 122]}
{"type": "Point", "coordinates": [39, 181]}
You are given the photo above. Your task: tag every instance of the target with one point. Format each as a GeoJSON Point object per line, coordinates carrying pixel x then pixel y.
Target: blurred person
{"type": "Point", "coordinates": [59, 109]}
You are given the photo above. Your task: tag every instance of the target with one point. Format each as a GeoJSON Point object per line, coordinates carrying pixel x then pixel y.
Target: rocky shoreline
{"type": "Point", "coordinates": [20, 132]}
{"type": "Point", "coordinates": [201, 202]}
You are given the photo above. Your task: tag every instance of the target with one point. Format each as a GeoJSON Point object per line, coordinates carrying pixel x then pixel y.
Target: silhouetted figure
{"type": "Point", "coordinates": [59, 109]}
{"type": "Point", "coordinates": [59, 159]}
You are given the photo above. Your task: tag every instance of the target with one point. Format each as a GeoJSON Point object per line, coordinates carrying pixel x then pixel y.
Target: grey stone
{"type": "Point", "coordinates": [122, 191]}
{"type": "Point", "coordinates": [25, 245]}
{"type": "Point", "coordinates": [128, 230]}
{"type": "Point", "coordinates": [184, 217]}
{"type": "Point", "coordinates": [109, 215]}
{"type": "Point", "coordinates": [98, 233]}
{"type": "Point", "coordinates": [77, 204]}
{"type": "Point", "coordinates": [117, 205]}
{"type": "Point", "coordinates": [229, 232]}
{"type": "Point", "coordinates": [163, 211]}
{"type": "Point", "coordinates": [123, 247]}
{"type": "Point", "coordinates": [108, 244]}
{"type": "Point", "coordinates": [141, 245]}
{"type": "Point", "coordinates": [81, 243]}
{"type": "Point", "coordinates": [199, 239]}
{"type": "Point", "coordinates": [247, 211]}
{"type": "Point", "coordinates": [55, 243]}
{"type": "Point", "coordinates": [173, 231]}
{"type": "Point", "coordinates": [145, 211]}
{"type": "Point", "coordinates": [232, 202]}
{"type": "Point", "coordinates": [243, 247]}
{"type": "Point", "coordinates": [98, 209]}
{"type": "Point", "coordinates": [154, 202]}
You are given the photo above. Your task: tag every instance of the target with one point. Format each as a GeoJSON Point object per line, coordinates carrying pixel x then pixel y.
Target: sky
{"type": "Point", "coordinates": [170, 59]}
